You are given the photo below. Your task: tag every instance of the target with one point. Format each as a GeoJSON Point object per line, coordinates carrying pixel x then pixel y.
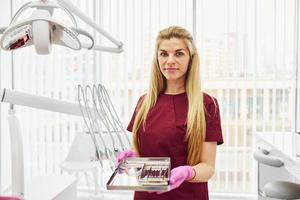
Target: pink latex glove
{"type": "Point", "coordinates": [123, 155]}
{"type": "Point", "coordinates": [180, 174]}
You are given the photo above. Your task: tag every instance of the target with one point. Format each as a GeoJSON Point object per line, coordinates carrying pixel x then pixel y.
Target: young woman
{"type": "Point", "coordinates": [176, 119]}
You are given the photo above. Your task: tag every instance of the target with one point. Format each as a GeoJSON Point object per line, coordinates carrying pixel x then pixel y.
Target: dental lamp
{"type": "Point", "coordinates": [42, 30]}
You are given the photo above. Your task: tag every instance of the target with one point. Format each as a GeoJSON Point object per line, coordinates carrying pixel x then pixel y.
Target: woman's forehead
{"type": "Point", "coordinates": [172, 44]}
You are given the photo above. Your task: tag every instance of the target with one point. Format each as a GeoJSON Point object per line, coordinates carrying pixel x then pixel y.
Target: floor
{"type": "Point", "coordinates": [128, 195]}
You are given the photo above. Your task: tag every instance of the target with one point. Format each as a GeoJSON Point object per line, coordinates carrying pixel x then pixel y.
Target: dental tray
{"type": "Point", "coordinates": [141, 174]}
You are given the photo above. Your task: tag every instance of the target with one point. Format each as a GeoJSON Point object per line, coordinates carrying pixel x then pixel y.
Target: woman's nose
{"type": "Point", "coordinates": [170, 59]}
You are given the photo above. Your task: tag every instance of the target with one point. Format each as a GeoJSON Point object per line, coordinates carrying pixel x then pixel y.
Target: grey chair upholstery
{"type": "Point", "coordinates": [282, 190]}
{"type": "Point", "coordinates": [276, 189]}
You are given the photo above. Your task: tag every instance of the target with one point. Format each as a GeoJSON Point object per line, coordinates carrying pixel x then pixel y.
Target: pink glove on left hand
{"type": "Point", "coordinates": [181, 174]}
{"type": "Point", "coordinates": [178, 176]}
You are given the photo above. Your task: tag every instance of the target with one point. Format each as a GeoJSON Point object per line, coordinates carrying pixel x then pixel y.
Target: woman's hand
{"type": "Point", "coordinates": [123, 155]}
{"type": "Point", "coordinates": [181, 174]}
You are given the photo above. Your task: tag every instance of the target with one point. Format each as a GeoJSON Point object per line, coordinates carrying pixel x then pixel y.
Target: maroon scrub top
{"type": "Point", "coordinates": [164, 136]}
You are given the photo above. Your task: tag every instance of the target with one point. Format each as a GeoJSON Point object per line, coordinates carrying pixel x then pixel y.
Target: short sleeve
{"type": "Point", "coordinates": [213, 120]}
{"type": "Point", "coordinates": [130, 125]}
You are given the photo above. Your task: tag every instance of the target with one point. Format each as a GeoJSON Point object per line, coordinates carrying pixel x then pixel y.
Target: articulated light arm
{"type": "Point", "coordinates": [73, 9]}
{"type": "Point", "coordinates": [46, 5]}
{"type": "Point", "coordinates": [2, 29]}
{"type": "Point", "coordinates": [39, 102]}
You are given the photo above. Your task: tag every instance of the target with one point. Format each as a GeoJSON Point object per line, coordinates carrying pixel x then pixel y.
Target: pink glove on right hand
{"type": "Point", "coordinates": [123, 155]}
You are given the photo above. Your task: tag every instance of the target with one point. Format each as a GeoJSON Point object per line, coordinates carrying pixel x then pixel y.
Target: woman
{"type": "Point", "coordinates": [176, 119]}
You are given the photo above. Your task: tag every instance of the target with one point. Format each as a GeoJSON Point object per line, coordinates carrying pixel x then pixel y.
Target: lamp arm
{"type": "Point", "coordinates": [2, 29]}
{"type": "Point", "coordinates": [69, 6]}
{"type": "Point", "coordinates": [39, 102]}
{"type": "Point", "coordinates": [86, 34]}
{"type": "Point", "coordinates": [101, 48]}
{"type": "Point", "coordinates": [42, 5]}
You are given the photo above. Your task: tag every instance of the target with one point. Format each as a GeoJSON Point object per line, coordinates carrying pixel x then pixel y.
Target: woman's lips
{"type": "Point", "coordinates": [171, 69]}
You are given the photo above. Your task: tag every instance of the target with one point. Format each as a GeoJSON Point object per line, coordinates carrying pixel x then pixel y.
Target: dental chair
{"type": "Point", "coordinates": [82, 159]}
{"type": "Point", "coordinates": [278, 189]}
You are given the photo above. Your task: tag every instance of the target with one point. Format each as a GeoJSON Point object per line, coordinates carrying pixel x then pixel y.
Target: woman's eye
{"type": "Point", "coordinates": [179, 53]}
{"type": "Point", "coordinates": [163, 54]}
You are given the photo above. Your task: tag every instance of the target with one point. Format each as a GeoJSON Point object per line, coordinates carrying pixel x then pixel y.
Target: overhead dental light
{"type": "Point", "coordinates": [42, 30]}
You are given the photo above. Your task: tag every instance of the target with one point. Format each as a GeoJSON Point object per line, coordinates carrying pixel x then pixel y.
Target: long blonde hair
{"type": "Point", "coordinates": [158, 83]}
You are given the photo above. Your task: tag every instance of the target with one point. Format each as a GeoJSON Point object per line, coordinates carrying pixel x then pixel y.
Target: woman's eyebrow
{"type": "Point", "coordinates": [175, 50]}
{"type": "Point", "coordinates": [180, 50]}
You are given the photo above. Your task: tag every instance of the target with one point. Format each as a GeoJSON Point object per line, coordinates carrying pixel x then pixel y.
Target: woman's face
{"type": "Point", "coordinates": [173, 59]}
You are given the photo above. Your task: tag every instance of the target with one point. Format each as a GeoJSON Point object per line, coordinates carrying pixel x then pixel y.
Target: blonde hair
{"type": "Point", "coordinates": [158, 83]}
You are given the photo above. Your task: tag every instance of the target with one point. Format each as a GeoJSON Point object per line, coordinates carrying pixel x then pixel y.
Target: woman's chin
{"type": "Point", "coordinates": [173, 77]}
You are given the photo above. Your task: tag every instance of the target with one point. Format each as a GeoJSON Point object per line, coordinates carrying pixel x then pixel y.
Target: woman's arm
{"type": "Point", "coordinates": [206, 168]}
{"type": "Point", "coordinates": [135, 151]}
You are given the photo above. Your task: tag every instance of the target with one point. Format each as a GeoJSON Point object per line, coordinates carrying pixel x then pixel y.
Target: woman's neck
{"type": "Point", "coordinates": [174, 89]}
